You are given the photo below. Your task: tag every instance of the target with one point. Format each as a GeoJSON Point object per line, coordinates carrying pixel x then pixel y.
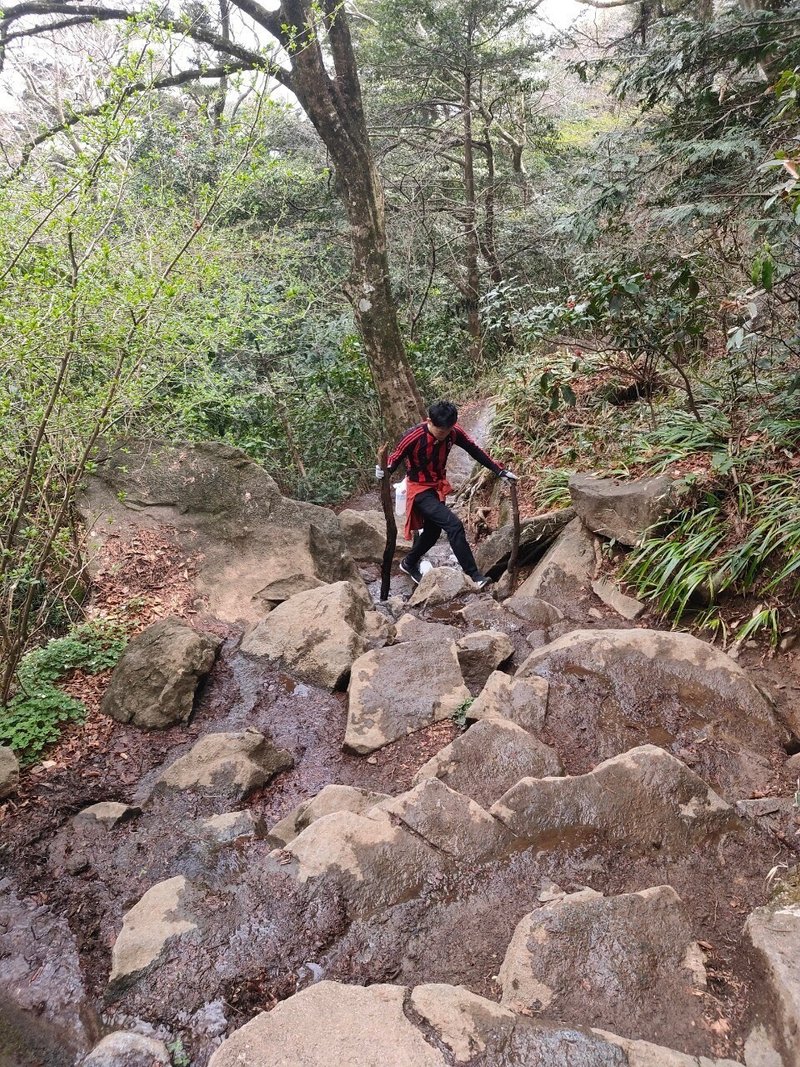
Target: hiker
{"type": "Point", "coordinates": [425, 449]}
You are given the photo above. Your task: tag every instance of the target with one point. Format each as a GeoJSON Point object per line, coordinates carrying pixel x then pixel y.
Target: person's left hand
{"type": "Point", "coordinates": [509, 476]}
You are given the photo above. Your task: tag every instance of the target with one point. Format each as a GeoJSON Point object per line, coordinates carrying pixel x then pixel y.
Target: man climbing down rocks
{"type": "Point", "coordinates": [425, 449]}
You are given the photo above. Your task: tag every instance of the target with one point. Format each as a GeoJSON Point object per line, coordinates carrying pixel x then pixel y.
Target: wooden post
{"type": "Point", "coordinates": [512, 559]}
{"type": "Point", "coordinates": [391, 525]}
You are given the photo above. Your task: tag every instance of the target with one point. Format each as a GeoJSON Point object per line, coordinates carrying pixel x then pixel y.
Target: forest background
{"type": "Point", "coordinates": [596, 224]}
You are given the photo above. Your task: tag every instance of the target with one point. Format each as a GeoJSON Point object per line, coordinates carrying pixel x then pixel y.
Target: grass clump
{"type": "Point", "coordinates": [37, 712]}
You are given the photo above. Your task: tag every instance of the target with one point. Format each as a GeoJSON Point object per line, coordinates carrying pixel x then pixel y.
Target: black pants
{"type": "Point", "coordinates": [437, 517]}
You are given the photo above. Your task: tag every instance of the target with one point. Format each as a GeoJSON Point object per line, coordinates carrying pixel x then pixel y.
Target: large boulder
{"type": "Point", "coordinates": [349, 1026]}
{"type": "Point", "coordinates": [489, 758]}
{"type": "Point", "coordinates": [643, 800]}
{"type": "Point", "coordinates": [9, 771]}
{"type": "Point", "coordinates": [433, 1025]}
{"type": "Point", "coordinates": [611, 689]}
{"type": "Point", "coordinates": [126, 1049]}
{"type": "Point", "coordinates": [536, 533]}
{"type": "Point", "coordinates": [634, 953]}
{"type": "Point", "coordinates": [396, 690]}
{"type": "Point", "coordinates": [365, 534]}
{"type": "Point", "coordinates": [774, 931]}
{"type": "Point", "coordinates": [317, 634]}
{"type": "Point", "coordinates": [565, 571]}
{"type": "Point", "coordinates": [622, 510]}
{"type": "Point", "coordinates": [253, 547]}
{"type": "Point", "coordinates": [160, 917]}
{"type": "Point", "coordinates": [330, 799]}
{"type": "Point", "coordinates": [227, 764]}
{"type": "Point", "coordinates": [522, 700]}
{"type": "Point", "coordinates": [154, 683]}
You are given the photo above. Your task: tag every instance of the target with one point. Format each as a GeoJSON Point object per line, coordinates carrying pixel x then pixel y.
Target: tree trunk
{"type": "Point", "coordinates": [472, 281]}
{"type": "Point", "coordinates": [335, 108]}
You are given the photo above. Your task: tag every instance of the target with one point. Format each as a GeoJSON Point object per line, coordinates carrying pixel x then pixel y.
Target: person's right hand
{"type": "Point", "coordinates": [379, 471]}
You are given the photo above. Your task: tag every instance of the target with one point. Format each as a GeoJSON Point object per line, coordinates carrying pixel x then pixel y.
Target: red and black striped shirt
{"type": "Point", "coordinates": [426, 458]}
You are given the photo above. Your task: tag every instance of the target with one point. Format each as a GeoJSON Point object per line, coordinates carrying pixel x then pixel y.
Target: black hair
{"type": "Point", "coordinates": [443, 414]}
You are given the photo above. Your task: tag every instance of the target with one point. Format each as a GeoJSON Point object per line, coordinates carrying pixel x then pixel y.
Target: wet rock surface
{"type": "Point", "coordinates": [374, 883]}
{"type": "Point", "coordinates": [565, 572]}
{"type": "Point", "coordinates": [598, 957]}
{"type": "Point", "coordinates": [620, 688]}
{"type": "Point", "coordinates": [225, 765]}
{"type": "Point", "coordinates": [394, 691]}
{"type": "Point", "coordinates": [317, 634]}
{"type": "Point", "coordinates": [489, 758]}
{"type": "Point", "coordinates": [154, 683]}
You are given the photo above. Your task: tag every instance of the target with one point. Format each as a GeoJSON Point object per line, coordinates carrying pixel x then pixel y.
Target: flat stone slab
{"type": "Point", "coordinates": [644, 799]}
{"type": "Point", "coordinates": [627, 606]}
{"type": "Point", "coordinates": [489, 758]}
{"type": "Point", "coordinates": [397, 690]}
{"type": "Point", "coordinates": [612, 689]}
{"type": "Point", "coordinates": [410, 628]}
{"type": "Point", "coordinates": [317, 634]}
{"type": "Point", "coordinates": [520, 700]}
{"type": "Point", "coordinates": [147, 929]}
{"type": "Point", "coordinates": [634, 954]}
{"type": "Point", "coordinates": [621, 510]}
{"type": "Point", "coordinates": [330, 799]}
{"type": "Point", "coordinates": [565, 572]}
{"type": "Point", "coordinates": [230, 764]}
{"type": "Point", "coordinates": [534, 610]}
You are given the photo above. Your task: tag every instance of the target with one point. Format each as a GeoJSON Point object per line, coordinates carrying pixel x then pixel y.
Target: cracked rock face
{"type": "Point", "coordinates": [622, 687]}
{"type": "Point", "coordinates": [605, 959]}
{"type": "Point", "coordinates": [317, 634]}
{"type": "Point", "coordinates": [396, 690]}
{"type": "Point", "coordinates": [154, 683]}
{"type": "Point", "coordinates": [432, 1025]}
{"type": "Point", "coordinates": [385, 853]}
{"type": "Point", "coordinates": [489, 758]}
{"type": "Point", "coordinates": [645, 799]}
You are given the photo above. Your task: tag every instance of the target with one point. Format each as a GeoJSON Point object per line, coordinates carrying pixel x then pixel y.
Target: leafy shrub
{"type": "Point", "coordinates": [36, 714]}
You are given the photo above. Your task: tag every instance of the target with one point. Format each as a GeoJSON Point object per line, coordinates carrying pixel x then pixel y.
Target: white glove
{"type": "Point", "coordinates": [379, 471]}
{"type": "Point", "coordinates": [509, 476]}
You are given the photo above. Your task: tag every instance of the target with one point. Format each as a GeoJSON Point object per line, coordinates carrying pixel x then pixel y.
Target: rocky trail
{"type": "Point", "coordinates": [307, 828]}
